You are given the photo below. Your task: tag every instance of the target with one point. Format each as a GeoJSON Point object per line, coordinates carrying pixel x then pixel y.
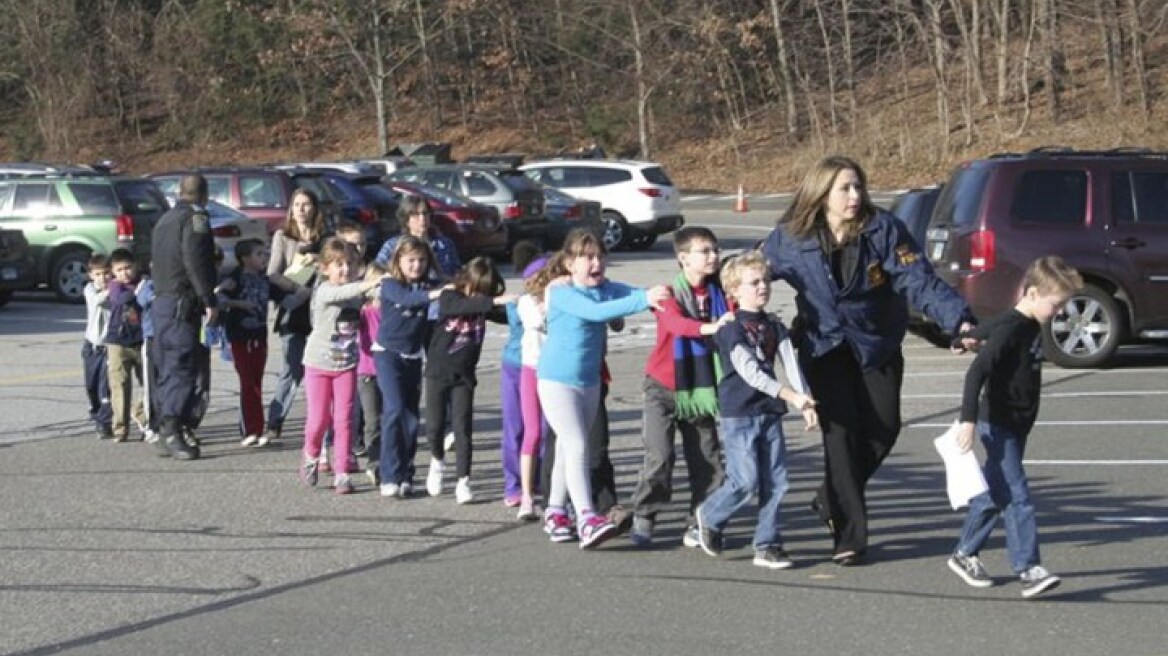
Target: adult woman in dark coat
{"type": "Point", "coordinates": [855, 270]}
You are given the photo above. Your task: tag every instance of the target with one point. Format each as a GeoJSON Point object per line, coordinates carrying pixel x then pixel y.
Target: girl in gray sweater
{"type": "Point", "coordinates": [330, 361]}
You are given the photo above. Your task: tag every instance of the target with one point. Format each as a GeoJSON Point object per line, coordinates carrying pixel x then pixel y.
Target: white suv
{"type": "Point", "coordinates": [639, 200]}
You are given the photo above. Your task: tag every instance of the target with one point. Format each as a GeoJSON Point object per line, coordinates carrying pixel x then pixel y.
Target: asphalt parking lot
{"type": "Point", "coordinates": [108, 549]}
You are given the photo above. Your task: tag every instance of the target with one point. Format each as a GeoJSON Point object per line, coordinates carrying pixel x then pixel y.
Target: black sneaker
{"type": "Point", "coordinates": [105, 433]}
{"type": "Point", "coordinates": [1037, 580]}
{"type": "Point", "coordinates": [708, 539]}
{"type": "Point", "coordinates": [971, 570]}
{"type": "Point", "coordinates": [773, 557]}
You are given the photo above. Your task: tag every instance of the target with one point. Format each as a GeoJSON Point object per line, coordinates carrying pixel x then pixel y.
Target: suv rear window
{"type": "Point", "coordinates": [656, 175]}
{"type": "Point", "coordinates": [94, 198]}
{"type": "Point", "coordinates": [598, 177]}
{"type": "Point", "coordinates": [1055, 197]}
{"type": "Point", "coordinates": [516, 181]}
{"type": "Point", "coordinates": [260, 191]}
{"type": "Point", "coordinates": [961, 199]}
{"type": "Point", "coordinates": [141, 196]}
{"type": "Point", "coordinates": [1150, 197]}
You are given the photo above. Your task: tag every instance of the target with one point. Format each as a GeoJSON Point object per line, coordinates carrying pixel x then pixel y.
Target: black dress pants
{"type": "Point", "coordinates": [860, 415]}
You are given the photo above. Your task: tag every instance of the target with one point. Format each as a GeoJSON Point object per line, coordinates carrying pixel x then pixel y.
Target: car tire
{"type": "Point", "coordinates": [616, 231]}
{"type": "Point", "coordinates": [5, 296]}
{"type": "Point", "coordinates": [642, 242]}
{"type": "Point", "coordinates": [1086, 332]}
{"type": "Point", "coordinates": [69, 275]}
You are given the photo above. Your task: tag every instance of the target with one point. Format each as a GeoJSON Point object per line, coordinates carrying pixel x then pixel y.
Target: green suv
{"type": "Point", "coordinates": [67, 218]}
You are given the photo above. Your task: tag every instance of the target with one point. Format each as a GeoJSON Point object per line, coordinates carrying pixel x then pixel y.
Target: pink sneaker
{"type": "Point", "coordinates": [595, 530]}
{"type": "Point", "coordinates": [557, 525]}
{"type": "Point", "coordinates": [512, 501]}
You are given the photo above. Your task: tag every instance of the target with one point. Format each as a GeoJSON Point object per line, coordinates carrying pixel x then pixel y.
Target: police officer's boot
{"type": "Point", "coordinates": [172, 438]}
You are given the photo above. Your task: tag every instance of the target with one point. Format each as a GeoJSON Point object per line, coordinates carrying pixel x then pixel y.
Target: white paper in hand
{"type": "Point", "coordinates": [963, 476]}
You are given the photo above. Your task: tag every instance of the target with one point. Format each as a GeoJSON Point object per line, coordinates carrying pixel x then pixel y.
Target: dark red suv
{"type": "Point", "coordinates": [1104, 212]}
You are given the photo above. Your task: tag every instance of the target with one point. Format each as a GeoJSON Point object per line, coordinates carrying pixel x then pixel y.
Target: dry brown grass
{"type": "Point", "coordinates": [898, 141]}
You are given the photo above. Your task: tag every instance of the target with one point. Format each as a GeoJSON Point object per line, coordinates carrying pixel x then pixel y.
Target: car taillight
{"type": "Point", "coordinates": [366, 215]}
{"type": "Point", "coordinates": [226, 231]}
{"type": "Point", "coordinates": [125, 227]}
{"type": "Point", "coordinates": [512, 211]}
{"type": "Point", "coordinates": [981, 250]}
{"type": "Point", "coordinates": [651, 192]}
{"type": "Point", "coordinates": [573, 212]}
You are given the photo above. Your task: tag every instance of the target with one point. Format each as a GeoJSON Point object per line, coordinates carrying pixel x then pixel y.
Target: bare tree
{"type": "Point", "coordinates": [786, 76]}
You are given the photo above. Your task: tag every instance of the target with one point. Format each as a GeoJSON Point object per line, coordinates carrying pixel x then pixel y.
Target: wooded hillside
{"type": "Point", "coordinates": [718, 90]}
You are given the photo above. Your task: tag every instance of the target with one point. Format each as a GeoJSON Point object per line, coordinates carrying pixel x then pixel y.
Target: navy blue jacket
{"type": "Point", "coordinates": [869, 313]}
{"type": "Point", "coordinates": [404, 328]}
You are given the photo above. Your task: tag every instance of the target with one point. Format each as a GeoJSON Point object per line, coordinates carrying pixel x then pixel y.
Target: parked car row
{"type": "Point", "coordinates": [68, 213]}
{"type": "Point", "coordinates": [1104, 212]}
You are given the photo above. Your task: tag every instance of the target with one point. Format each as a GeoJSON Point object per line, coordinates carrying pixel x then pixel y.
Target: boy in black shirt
{"type": "Point", "coordinates": [1009, 368]}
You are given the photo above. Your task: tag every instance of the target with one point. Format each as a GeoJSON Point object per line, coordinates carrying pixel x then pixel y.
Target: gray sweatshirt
{"type": "Point", "coordinates": [332, 344]}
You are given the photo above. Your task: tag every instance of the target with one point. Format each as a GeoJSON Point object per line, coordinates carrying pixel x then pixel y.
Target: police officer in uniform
{"type": "Point", "coordinates": [855, 270]}
{"type": "Point", "coordinates": [184, 283]}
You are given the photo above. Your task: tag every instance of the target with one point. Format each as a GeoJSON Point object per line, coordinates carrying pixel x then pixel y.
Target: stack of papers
{"type": "Point", "coordinates": [963, 476]}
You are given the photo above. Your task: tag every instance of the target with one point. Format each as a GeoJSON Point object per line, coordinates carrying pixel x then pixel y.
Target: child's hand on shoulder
{"type": "Point", "coordinates": [658, 294]}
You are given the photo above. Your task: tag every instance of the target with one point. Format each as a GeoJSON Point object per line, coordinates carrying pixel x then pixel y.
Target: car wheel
{"type": "Point", "coordinates": [5, 296]}
{"type": "Point", "coordinates": [616, 231]}
{"type": "Point", "coordinates": [642, 242]}
{"type": "Point", "coordinates": [1086, 332]}
{"type": "Point", "coordinates": [70, 275]}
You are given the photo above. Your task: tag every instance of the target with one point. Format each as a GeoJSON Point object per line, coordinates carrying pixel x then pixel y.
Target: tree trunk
{"type": "Point", "coordinates": [830, 68]}
{"type": "Point", "coordinates": [1139, 69]}
{"type": "Point", "coordinates": [643, 88]}
{"type": "Point", "coordinates": [787, 78]}
{"type": "Point", "coordinates": [849, 64]}
{"type": "Point", "coordinates": [1053, 63]}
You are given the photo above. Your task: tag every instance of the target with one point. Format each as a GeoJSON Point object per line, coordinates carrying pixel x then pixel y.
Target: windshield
{"type": "Point", "coordinates": [961, 197]}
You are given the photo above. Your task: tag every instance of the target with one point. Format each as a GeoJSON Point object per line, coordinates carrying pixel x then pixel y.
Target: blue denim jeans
{"type": "Point", "coordinates": [400, 382]}
{"type": "Point", "coordinates": [288, 382]}
{"type": "Point", "coordinates": [755, 459]}
{"type": "Point", "coordinates": [1008, 496]}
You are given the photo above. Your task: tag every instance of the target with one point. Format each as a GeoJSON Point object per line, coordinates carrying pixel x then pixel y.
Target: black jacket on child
{"type": "Point", "coordinates": [458, 335]}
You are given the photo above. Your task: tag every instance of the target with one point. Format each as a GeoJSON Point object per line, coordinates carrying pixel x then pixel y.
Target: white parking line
{"type": "Point", "coordinates": [1095, 462]}
{"type": "Point", "coordinates": [1054, 395]}
{"type": "Point", "coordinates": [1114, 422]}
{"type": "Point", "coordinates": [1132, 520]}
{"type": "Point", "coordinates": [737, 227]}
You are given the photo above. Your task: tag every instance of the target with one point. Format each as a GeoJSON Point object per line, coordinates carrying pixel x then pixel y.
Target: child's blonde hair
{"type": "Point", "coordinates": [406, 245]}
{"type": "Point", "coordinates": [336, 250]}
{"type": "Point", "coordinates": [734, 268]}
{"type": "Point", "coordinates": [556, 266]}
{"type": "Point", "coordinates": [1051, 275]}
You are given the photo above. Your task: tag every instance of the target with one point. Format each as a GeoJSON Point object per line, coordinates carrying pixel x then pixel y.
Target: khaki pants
{"type": "Point", "coordinates": [125, 366]}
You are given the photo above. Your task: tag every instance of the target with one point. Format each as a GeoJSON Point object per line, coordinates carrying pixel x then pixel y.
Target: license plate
{"type": "Point", "coordinates": [937, 251]}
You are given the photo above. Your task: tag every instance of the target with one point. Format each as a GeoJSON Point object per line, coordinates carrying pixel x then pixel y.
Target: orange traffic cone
{"type": "Point", "coordinates": [740, 205]}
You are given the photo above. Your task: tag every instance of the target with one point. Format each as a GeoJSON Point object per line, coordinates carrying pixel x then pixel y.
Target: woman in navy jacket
{"type": "Point", "coordinates": [854, 269]}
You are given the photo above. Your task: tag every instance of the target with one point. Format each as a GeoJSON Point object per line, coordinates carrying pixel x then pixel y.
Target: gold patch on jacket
{"type": "Point", "coordinates": [876, 275]}
{"type": "Point", "coordinates": [906, 255]}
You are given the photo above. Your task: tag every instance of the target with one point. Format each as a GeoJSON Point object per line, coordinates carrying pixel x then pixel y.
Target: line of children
{"type": "Point", "coordinates": [1008, 369]}
{"type": "Point", "coordinates": [123, 342]}
{"type": "Point", "coordinates": [245, 320]}
{"type": "Point", "coordinates": [753, 395]}
{"type": "Point", "coordinates": [93, 352]}
{"type": "Point", "coordinates": [397, 355]}
{"type": "Point", "coordinates": [680, 386]}
{"type": "Point", "coordinates": [472, 297]}
{"type": "Point", "coordinates": [330, 362]}
{"type": "Point", "coordinates": [578, 309]}
{"type": "Point", "coordinates": [525, 254]}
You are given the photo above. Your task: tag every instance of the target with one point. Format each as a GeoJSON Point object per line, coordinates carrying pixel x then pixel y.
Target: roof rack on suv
{"type": "Point", "coordinates": [1064, 151]}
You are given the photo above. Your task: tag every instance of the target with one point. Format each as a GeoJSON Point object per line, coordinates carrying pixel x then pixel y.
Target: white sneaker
{"type": "Point", "coordinates": [250, 440]}
{"type": "Point", "coordinates": [448, 441]}
{"type": "Point", "coordinates": [462, 491]}
{"type": "Point", "coordinates": [434, 477]}
{"type": "Point", "coordinates": [405, 489]}
{"type": "Point", "coordinates": [389, 489]}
